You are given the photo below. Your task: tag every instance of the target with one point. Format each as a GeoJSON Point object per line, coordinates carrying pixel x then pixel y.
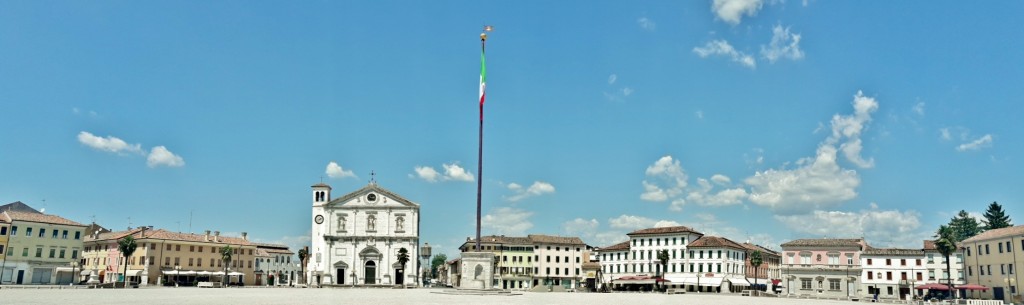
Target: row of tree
{"type": "Point", "coordinates": [964, 226]}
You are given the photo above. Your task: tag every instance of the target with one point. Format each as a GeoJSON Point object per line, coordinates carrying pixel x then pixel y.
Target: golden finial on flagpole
{"type": "Point", "coordinates": [487, 28]}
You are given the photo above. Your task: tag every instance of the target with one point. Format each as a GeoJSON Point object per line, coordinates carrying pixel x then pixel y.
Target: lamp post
{"type": "Point", "coordinates": [698, 282]}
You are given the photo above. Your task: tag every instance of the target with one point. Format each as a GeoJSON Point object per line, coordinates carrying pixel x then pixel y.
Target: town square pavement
{"type": "Point", "coordinates": [220, 296]}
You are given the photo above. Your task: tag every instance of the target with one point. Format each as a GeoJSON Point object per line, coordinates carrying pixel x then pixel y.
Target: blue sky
{"type": "Point", "coordinates": [755, 120]}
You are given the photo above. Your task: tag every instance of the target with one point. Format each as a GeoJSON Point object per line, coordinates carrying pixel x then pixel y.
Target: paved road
{"type": "Point", "coordinates": [178, 296]}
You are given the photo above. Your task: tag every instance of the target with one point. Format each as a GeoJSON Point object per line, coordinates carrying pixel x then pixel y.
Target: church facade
{"type": "Point", "coordinates": [356, 238]}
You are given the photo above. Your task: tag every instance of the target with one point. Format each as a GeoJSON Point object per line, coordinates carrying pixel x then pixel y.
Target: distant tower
{"type": "Point", "coordinates": [321, 193]}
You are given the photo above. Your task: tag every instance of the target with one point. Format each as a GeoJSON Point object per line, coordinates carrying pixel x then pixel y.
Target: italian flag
{"type": "Point", "coordinates": [483, 81]}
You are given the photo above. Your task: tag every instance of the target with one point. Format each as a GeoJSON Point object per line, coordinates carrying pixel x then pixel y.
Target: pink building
{"type": "Point", "coordinates": [827, 267]}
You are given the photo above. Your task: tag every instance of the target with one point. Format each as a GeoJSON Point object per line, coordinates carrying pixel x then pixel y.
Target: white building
{"type": "Point", "coordinates": [274, 265]}
{"type": "Point", "coordinates": [557, 261]}
{"type": "Point", "coordinates": [356, 239]}
{"type": "Point", "coordinates": [720, 264]}
{"type": "Point", "coordinates": [935, 262]}
{"type": "Point", "coordinates": [891, 273]}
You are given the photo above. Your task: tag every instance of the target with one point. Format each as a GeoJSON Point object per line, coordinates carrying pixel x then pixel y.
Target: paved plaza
{"type": "Point", "coordinates": [223, 296]}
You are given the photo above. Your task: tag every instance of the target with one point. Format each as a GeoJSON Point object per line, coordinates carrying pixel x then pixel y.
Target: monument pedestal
{"type": "Point", "coordinates": [477, 270]}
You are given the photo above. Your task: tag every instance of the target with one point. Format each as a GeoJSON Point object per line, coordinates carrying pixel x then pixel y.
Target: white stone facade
{"type": "Point", "coordinates": [356, 238]}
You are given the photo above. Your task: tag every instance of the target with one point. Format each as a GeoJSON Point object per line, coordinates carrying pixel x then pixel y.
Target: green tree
{"type": "Point", "coordinates": [127, 247]}
{"type": "Point", "coordinates": [755, 261]}
{"type": "Point", "coordinates": [996, 218]}
{"type": "Point", "coordinates": [437, 261]}
{"type": "Point", "coordinates": [303, 255]}
{"type": "Point", "coordinates": [663, 259]}
{"type": "Point", "coordinates": [964, 226]}
{"type": "Point", "coordinates": [945, 243]}
{"type": "Point", "coordinates": [225, 255]}
{"type": "Point", "coordinates": [403, 258]}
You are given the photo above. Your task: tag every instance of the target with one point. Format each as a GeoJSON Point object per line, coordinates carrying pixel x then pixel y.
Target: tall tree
{"type": "Point", "coordinates": [996, 218]}
{"type": "Point", "coordinates": [303, 255]}
{"type": "Point", "coordinates": [663, 259]}
{"type": "Point", "coordinates": [755, 261]}
{"type": "Point", "coordinates": [127, 247]}
{"type": "Point", "coordinates": [437, 261]}
{"type": "Point", "coordinates": [403, 258]}
{"type": "Point", "coordinates": [964, 226]}
{"type": "Point", "coordinates": [944, 242]}
{"type": "Point", "coordinates": [225, 255]}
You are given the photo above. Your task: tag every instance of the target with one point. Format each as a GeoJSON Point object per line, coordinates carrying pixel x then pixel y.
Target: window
{"type": "Point", "coordinates": [177, 261]}
{"type": "Point", "coordinates": [74, 254]}
{"type": "Point", "coordinates": [919, 262]}
{"type": "Point", "coordinates": [931, 274]}
{"type": "Point", "coordinates": [64, 235]}
{"type": "Point", "coordinates": [1010, 268]}
{"type": "Point", "coordinates": [1000, 247]}
{"type": "Point", "coordinates": [888, 262]}
{"type": "Point", "coordinates": [1002, 267]}
{"type": "Point", "coordinates": [1, 249]}
{"type": "Point", "coordinates": [3, 230]}
{"type": "Point", "coordinates": [869, 262]}
{"type": "Point", "coordinates": [191, 248]}
{"type": "Point", "coordinates": [986, 249]}
{"type": "Point", "coordinates": [151, 260]}
{"type": "Point", "coordinates": [1009, 248]}
{"type": "Point", "coordinates": [28, 232]}
{"type": "Point", "coordinates": [14, 230]}
{"type": "Point", "coordinates": [54, 234]}
{"type": "Point", "coordinates": [970, 271]}
{"type": "Point", "coordinates": [177, 247]}
{"type": "Point", "coordinates": [849, 258]}
{"type": "Point", "coordinates": [42, 233]}
{"type": "Point", "coordinates": [805, 284]}
{"type": "Point", "coordinates": [833, 259]}
{"type": "Point", "coordinates": [78, 234]}
{"type": "Point", "coordinates": [833, 284]}
{"type": "Point", "coordinates": [888, 275]}
{"type": "Point", "coordinates": [39, 252]}
{"type": "Point", "coordinates": [805, 258]}
{"type": "Point", "coordinates": [61, 253]}
{"type": "Point", "coordinates": [548, 270]}
{"type": "Point", "coordinates": [53, 253]}
{"type": "Point", "coordinates": [24, 252]}
{"type": "Point", "coordinates": [871, 276]}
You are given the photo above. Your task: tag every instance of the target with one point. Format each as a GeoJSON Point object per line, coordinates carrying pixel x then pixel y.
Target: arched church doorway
{"type": "Point", "coordinates": [370, 273]}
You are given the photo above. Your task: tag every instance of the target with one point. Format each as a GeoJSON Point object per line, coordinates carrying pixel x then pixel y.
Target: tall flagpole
{"type": "Point", "coordinates": [480, 150]}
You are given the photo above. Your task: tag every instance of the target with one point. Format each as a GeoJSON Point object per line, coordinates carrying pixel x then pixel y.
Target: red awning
{"type": "Point", "coordinates": [776, 281]}
{"type": "Point", "coordinates": [972, 287]}
{"type": "Point", "coordinates": [932, 286]}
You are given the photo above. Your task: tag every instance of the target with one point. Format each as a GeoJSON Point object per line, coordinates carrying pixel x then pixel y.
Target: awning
{"type": "Point", "coordinates": [710, 281]}
{"type": "Point", "coordinates": [85, 272]}
{"type": "Point", "coordinates": [235, 273]}
{"type": "Point", "coordinates": [64, 269]}
{"type": "Point", "coordinates": [134, 272]}
{"type": "Point", "coordinates": [204, 273]}
{"type": "Point", "coordinates": [678, 280]}
{"type": "Point", "coordinates": [739, 282]}
{"type": "Point", "coordinates": [971, 287]}
{"type": "Point", "coordinates": [188, 273]}
{"type": "Point", "coordinates": [171, 272]}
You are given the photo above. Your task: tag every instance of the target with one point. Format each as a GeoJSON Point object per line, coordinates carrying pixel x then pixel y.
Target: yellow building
{"type": "Point", "coordinates": [513, 257]}
{"type": "Point", "coordinates": [168, 258]}
{"type": "Point", "coordinates": [38, 248]}
{"type": "Point", "coordinates": [992, 258]}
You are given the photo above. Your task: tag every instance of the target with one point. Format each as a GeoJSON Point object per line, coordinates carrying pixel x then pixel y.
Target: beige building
{"type": "Point", "coordinates": [168, 258]}
{"type": "Point", "coordinates": [513, 257]}
{"type": "Point", "coordinates": [992, 258]}
{"type": "Point", "coordinates": [38, 248]}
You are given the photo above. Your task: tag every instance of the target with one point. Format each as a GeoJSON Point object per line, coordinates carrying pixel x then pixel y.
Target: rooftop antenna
{"type": "Point", "coordinates": [190, 220]}
{"type": "Point", "coordinates": [129, 222]}
{"type": "Point", "coordinates": [372, 178]}
{"type": "Point", "coordinates": [93, 216]}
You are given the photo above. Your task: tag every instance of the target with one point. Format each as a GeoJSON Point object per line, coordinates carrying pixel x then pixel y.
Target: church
{"type": "Point", "coordinates": [356, 238]}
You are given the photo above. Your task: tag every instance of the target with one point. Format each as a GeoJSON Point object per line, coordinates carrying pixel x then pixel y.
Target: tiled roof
{"type": "Point", "coordinates": [616, 247]}
{"type": "Point", "coordinates": [929, 245]}
{"type": "Point", "coordinates": [501, 239]}
{"type": "Point", "coordinates": [753, 247]}
{"type": "Point", "coordinates": [664, 230]}
{"type": "Point", "coordinates": [38, 217]}
{"type": "Point", "coordinates": [18, 206]}
{"type": "Point", "coordinates": [715, 242]}
{"type": "Point", "coordinates": [547, 239]}
{"type": "Point", "coordinates": [825, 242]}
{"type": "Point", "coordinates": [260, 252]}
{"type": "Point", "coordinates": [893, 252]}
{"type": "Point", "coordinates": [997, 233]}
{"type": "Point", "coordinates": [168, 235]}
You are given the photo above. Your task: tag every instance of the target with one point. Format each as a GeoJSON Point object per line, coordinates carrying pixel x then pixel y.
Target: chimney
{"type": "Point", "coordinates": [245, 236]}
{"type": "Point", "coordinates": [142, 233]}
{"type": "Point", "coordinates": [216, 236]}
{"type": "Point", "coordinates": [207, 235]}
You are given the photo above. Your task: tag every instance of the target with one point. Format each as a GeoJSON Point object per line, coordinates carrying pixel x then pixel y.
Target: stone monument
{"type": "Point", "coordinates": [477, 270]}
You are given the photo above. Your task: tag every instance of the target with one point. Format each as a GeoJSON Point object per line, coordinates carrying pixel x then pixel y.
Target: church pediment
{"type": "Point", "coordinates": [370, 196]}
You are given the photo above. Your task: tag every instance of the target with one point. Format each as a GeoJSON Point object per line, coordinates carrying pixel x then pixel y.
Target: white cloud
{"type": "Point", "coordinates": [108, 144]}
{"type": "Point", "coordinates": [580, 227]}
{"type": "Point", "coordinates": [452, 172]}
{"type": "Point", "coordinates": [784, 45]}
{"type": "Point", "coordinates": [632, 222]}
{"type": "Point", "coordinates": [699, 114]}
{"type": "Point", "coordinates": [627, 91]}
{"type": "Point", "coordinates": [732, 11]}
{"type": "Point", "coordinates": [885, 228]}
{"type": "Point", "coordinates": [977, 144]}
{"type": "Point", "coordinates": [919, 108]}
{"type": "Point", "coordinates": [536, 189]}
{"type": "Point", "coordinates": [818, 182]}
{"type": "Point", "coordinates": [722, 47]}
{"type": "Point", "coordinates": [507, 221]}
{"type": "Point", "coordinates": [335, 171]}
{"type": "Point", "coordinates": [161, 156]}
{"type": "Point", "coordinates": [612, 78]}
{"type": "Point", "coordinates": [677, 205]}
{"type": "Point", "coordinates": [646, 24]}
{"type": "Point", "coordinates": [667, 171]}
{"type": "Point", "coordinates": [721, 179]}
{"type": "Point", "coordinates": [455, 172]}
{"type": "Point", "coordinates": [426, 173]}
